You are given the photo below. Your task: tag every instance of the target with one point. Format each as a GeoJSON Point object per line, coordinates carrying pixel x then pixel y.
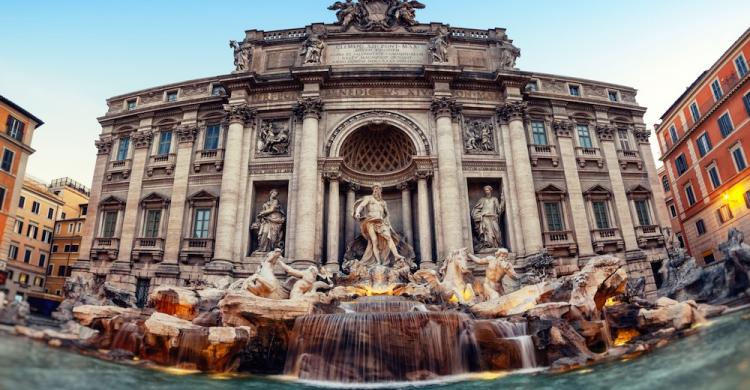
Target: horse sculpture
{"type": "Point", "coordinates": [449, 282]}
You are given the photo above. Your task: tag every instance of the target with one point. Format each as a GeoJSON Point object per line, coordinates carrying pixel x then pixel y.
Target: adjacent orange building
{"type": "Point", "coordinates": [705, 141]}
{"type": "Point", "coordinates": [17, 128]}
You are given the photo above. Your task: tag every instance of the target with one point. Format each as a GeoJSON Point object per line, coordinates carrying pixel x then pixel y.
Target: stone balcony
{"type": "Point", "coordinates": [560, 241]}
{"type": "Point", "coordinates": [122, 167]}
{"type": "Point", "coordinates": [544, 152]}
{"type": "Point", "coordinates": [607, 240]}
{"type": "Point", "coordinates": [649, 236]}
{"type": "Point", "coordinates": [584, 155]}
{"type": "Point", "coordinates": [109, 246]}
{"type": "Point", "coordinates": [209, 157]}
{"type": "Point", "coordinates": [197, 247]}
{"type": "Point", "coordinates": [152, 247]}
{"type": "Point", "coordinates": [161, 161]}
{"type": "Point", "coordinates": [629, 157]}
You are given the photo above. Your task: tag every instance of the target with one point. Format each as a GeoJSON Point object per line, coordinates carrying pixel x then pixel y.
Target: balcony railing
{"type": "Point", "coordinates": [201, 247]}
{"type": "Point", "coordinates": [107, 245]}
{"type": "Point", "coordinates": [208, 157]}
{"type": "Point", "coordinates": [166, 161]}
{"type": "Point", "coordinates": [649, 234]}
{"type": "Point", "coordinates": [538, 152]}
{"type": "Point", "coordinates": [629, 157]}
{"type": "Point", "coordinates": [153, 246]}
{"type": "Point", "coordinates": [589, 154]}
{"type": "Point", "coordinates": [607, 237]}
{"type": "Point", "coordinates": [119, 166]}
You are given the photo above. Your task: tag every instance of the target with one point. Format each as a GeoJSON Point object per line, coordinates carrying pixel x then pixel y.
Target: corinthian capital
{"type": "Point", "coordinates": [142, 138]}
{"type": "Point", "coordinates": [103, 145]}
{"type": "Point", "coordinates": [642, 135]}
{"type": "Point", "coordinates": [510, 111]}
{"type": "Point", "coordinates": [186, 132]}
{"type": "Point", "coordinates": [605, 132]}
{"type": "Point", "coordinates": [241, 113]}
{"type": "Point", "coordinates": [563, 128]}
{"type": "Point", "coordinates": [446, 106]}
{"type": "Point", "coordinates": [309, 107]}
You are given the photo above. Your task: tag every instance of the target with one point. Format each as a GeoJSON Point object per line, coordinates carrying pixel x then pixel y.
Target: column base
{"type": "Point", "coordinates": [218, 267]}
{"type": "Point", "coordinates": [168, 270]}
{"type": "Point", "coordinates": [332, 268]}
{"type": "Point", "coordinates": [304, 263]}
{"type": "Point", "coordinates": [120, 268]}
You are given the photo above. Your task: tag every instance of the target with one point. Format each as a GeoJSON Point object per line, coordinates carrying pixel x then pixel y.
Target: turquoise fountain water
{"type": "Point", "coordinates": [718, 357]}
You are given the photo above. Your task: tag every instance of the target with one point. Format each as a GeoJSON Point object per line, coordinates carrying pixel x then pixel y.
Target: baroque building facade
{"type": "Point", "coordinates": [195, 181]}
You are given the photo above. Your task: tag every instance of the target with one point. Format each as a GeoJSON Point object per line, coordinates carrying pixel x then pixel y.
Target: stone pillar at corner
{"type": "Point", "coordinates": [423, 221]}
{"type": "Point", "coordinates": [141, 141]}
{"type": "Point", "coordinates": [309, 109]}
{"type": "Point", "coordinates": [239, 115]}
{"type": "Point", "coordinates": [334, 219]}
{"type": "Point", "coordinates": [350, 228]}
{"type": "Point", "coordinates": [445, 109]}
{"type": "Point", "coordinates": [513, 113]}
{"type": "Point", "coordinates": [642, 136]}
{"type": "Point", "coordinates": [185, 135]}
{"type": "Point", "coordinates": [406, 212]}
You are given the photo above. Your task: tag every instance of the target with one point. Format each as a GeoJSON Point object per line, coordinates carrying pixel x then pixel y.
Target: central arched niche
{"type": "Point", "coordinates": [377, 149]}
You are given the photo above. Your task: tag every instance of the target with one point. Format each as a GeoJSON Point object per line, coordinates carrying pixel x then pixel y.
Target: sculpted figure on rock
{"type": "Point", "coordinates": [498, 267]}
{"type": "Point", "coordinates": [264, 282]}
{"type": "Point", "coordinates": [372, 213]}
{"type": "Point", "coordinates": [450, 280]}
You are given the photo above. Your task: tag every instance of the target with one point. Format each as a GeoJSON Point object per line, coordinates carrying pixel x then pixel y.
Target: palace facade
{"type": "Point", "coordinates": [195, 181]}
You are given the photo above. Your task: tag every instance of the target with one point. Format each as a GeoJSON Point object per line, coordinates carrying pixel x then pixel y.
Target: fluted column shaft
{"type": "Point", "coordinates": [307, 179]}
{"type": "Point", "coordinates": [350, 227]}
{"type": "Point", "coordinates": [445, 109]}
{"type": "Point", "coordinates": [406, 213]}
{"type": "Point", "coordinates": [334, 218]}
{"type": "Point", "coordinates": [423, 221]}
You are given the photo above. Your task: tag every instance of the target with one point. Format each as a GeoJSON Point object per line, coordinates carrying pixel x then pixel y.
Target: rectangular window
{"type": "Point", "coordinates": [27, 256]}
{"type": "Point", "coordinates": [42, 259]}
{"type": "Point", "coordinates": [66, 248]}
{"type": "Point", "coordinates": [70, 227]}
{"type": "Point", "coordinates": [584, 137]}
{"type": "Point", "coordinates": [680, 164]}
{"type": "Point", "coordinates": [7, 163]}
{"type": "Point", "coordinates": [32, 231]}
{"type": "Point", "coordinates": [708, 257]}
{"type": "Point", "coordinates": [211, 141]}
{"type": "Point", "coordinates": [19, 227]}
{"type": "Point", "coordinates": [35, 206]}
{"type": "Point", "coordinates": [172, 96]}
{"type": "Point", "coordinates": [739, 158]}
{"type": "Point", "coordinates": [747, 199]}
{"type": "Point", "coordinates": [725, 124]}
{"type": "Point", "coordinates": [741, 65]}
{"type": "Point", "coordinates": [553, 216]}
{"type": "Point", "coordinates": [713, 174]}
{"type": "Point", "coordinates": [622, 136]}
{"type": "Point", "coordinates": [2, 198]}
{"type": "Point", "coordinates": [665, 183]}
{"type": "Point", "coordinates": [538, 133]}
{"type": "Point", "coordinates": [50, 213]}
{"type": "Point", "coordinates": [532, 86]}
{"type": "Point", "coordinates": [746, 100]}
{"type": "Point", "coordinates": [165, 142]}
{"type": "Point", "coordinates": [600, 215]}
{"type": "Point", "coordinates": [21, 202]}
{"type": "Point", "coordinates": [716, 89]}
{"type": "Point", "coordinates": [131, 104]}
{"type": "Point", "coordinates": [61, 270]}
{"type": "Point", "coordinates": [109, 224]}
{"type": "Point", "coordinates": [695, 112]}
{"type": "Point", "coordinates": [38, 281]}
{"type": "Point", "coordinates": [153, 219]}
{"type": "Point", "coordinates": [62, 215]}
{"type": "Point", "coordinates": [704, 144]}
{"type": "Point", "coordinates": [613, 96]}
{"type": "Point", "coordinates": [50, 268]}
{"type": "Point", "coordinates": [14, 128]}
{"type": "Point", "coordinates": [48, 239]}
{"type": "Point", "coordinates": [690, 194]}
{"type": "Point", "coordinates": [13, 252]}
{"type": "Point", "coordinates": [202, 223]}
{"type": "Point", "coordinates": [725, 213]}
{"type": "Point", "coordinates": [55, 248]}
{"type": "Point", "coordinates": [673, 133]}
{"type": "Point", "coordinates": [700, 227]}
{"type": "Point", "coordinates": [122, 148]}
{"type": "Point", "coordinates": [74, 248]}
{"type": "Point", "coordinates": [23, 278]}
{"type": "Point", "coordinates": [217, 90]}
{"type": "Point", "coordinates": [673, 211]}
{"type": "Point", "coordinates": [574, 90]}
{"type": "Point", "coordinates": [641, 208]}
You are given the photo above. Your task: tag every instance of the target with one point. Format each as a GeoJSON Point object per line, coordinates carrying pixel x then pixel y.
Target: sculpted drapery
{"type": "Point", "coordinates": [486, 217]}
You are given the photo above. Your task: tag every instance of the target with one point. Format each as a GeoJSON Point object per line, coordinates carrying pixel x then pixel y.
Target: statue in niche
{"type": "Point", "coordinates": [498, 267]}
{"type": "Point", "coordinates": [372, 213]}
{"type": "Point", "coordinates": [439, 47]}
{"type": "Point", "coordinates": [486, 217]}
{"type": "Point", "coordinates": [478, 137]}
{"type": "Point", "coordinates": [270, 223]}
{"type": "Point", "coordinates": [508, 55]}
{"type": "Point", "coordinates": [312, 50]}
{"type": "Point", "coordinates": [242, 56]}
{"type": "Point", "coordinates": [273, 138]}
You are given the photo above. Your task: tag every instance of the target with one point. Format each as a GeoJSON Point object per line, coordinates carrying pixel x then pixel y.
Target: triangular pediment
{"type": "Point", "coordinates": [597, 190]}
{"type": "Point", "coordinates": [639, 189]}
{"type": "Point", "coordinates": [202, 195]}
{"type": "Point", "coordinates": [551, 189]}
{"type": "Point", "coordinates": [112, 201]}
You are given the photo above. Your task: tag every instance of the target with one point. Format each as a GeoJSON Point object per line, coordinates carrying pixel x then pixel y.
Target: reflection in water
{"type": "Point", "coordinates": [717, 358]}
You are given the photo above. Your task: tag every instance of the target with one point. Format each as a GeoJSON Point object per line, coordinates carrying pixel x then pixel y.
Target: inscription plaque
{"type": "Point", "coordinates": [376, 54]}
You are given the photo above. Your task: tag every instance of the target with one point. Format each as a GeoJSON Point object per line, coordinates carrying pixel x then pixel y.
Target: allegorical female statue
{"type": "Point", "coordinates": [486, 216]}
{"type": "Point", "coordinates": [270, 224]}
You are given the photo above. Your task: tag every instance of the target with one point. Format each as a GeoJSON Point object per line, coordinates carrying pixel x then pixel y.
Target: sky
{"type": "Point", "coordinates": [61, 60]}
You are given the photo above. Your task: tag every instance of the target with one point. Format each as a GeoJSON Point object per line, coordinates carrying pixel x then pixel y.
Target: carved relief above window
{"type": "Point", "coordinates": [377, 149]}
{"type": "Point", "coordinates": [273, 137]}
{"type": "Point", "coordinates": [478, 135]}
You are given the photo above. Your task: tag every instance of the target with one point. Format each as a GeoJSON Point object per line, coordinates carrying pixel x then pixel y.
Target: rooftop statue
{"type": "Point", "coordinates": [312, 50]}
{"type": "Point", "coordinates": [376, 15]}
{"type": "Point", "coordinates": [242, 56]}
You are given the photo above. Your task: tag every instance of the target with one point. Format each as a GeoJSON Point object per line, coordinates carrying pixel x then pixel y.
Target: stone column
{"type": "Point", "coordinates": [226, 222]}
{"type": "Point", "coordinates": [349, 226]}
{"type": "Point", "coordinates": [446, 109]}
{"type": "Point", "coordinates": [657, 191]}
{"type": "Point", "coordinates": [309, 109]}
{"type": "Point", "coordinates": [185, 136]}
{"type": "Point", "coordinates": [580, 222]}
{"type": "Point", "coordinates": [141, 140]}
{"type": "Point", "coordinates": [606, 136]}
{"type": "Point", "coordinates": [334, 218]}
{"type": "Point", "coordinates": [513, 113]}
{"type": "Point", "coordinates": [406, 212]}
{"type": "Point", "coordinates": [423, 221]}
